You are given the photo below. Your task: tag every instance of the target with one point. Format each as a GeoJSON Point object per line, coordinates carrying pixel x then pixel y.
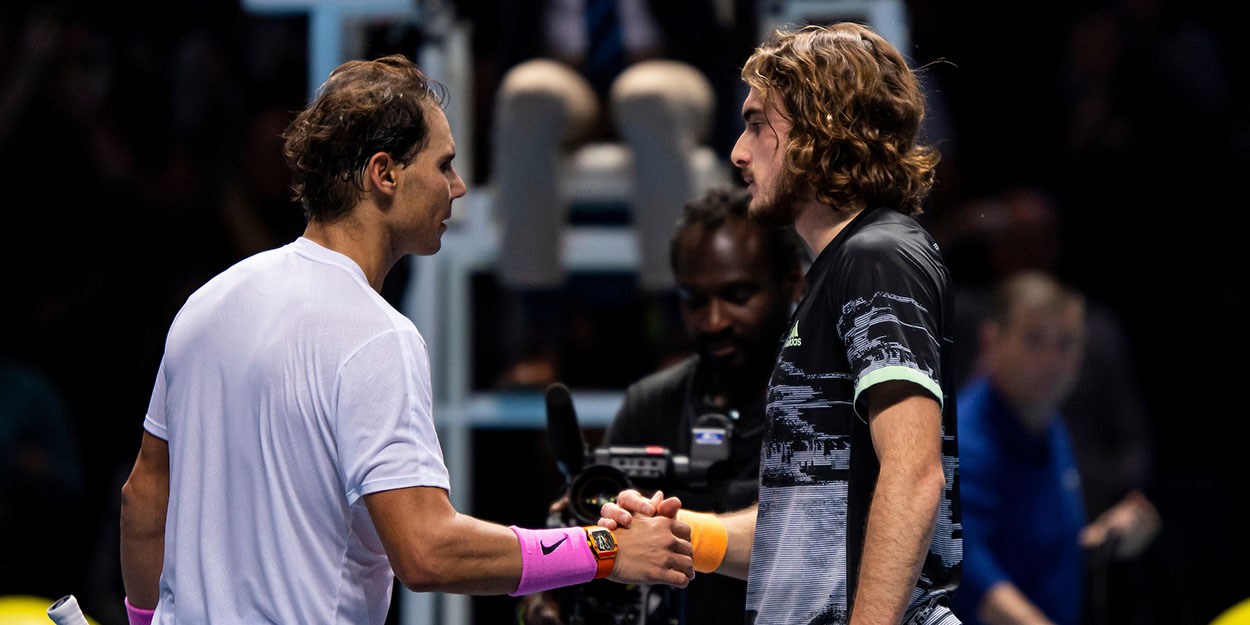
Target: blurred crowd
{"type": "Point", "coordinates": [1101, 143]}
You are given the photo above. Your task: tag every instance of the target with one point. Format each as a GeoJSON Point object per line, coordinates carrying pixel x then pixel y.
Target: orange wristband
{"type": "Point", "coordinates": [708, 537]}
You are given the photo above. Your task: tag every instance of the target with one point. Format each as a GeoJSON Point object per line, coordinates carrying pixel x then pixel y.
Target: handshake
{"type": "Point", "coordinates": [653, 545]}
{"type": "Point", "coordinates": [654, 552]}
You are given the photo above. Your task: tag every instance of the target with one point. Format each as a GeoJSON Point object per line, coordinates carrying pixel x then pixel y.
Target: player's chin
{"type": "Point", "coordinates": [769, 212]}
{"type": "Point", "coordinates": [429, 248]}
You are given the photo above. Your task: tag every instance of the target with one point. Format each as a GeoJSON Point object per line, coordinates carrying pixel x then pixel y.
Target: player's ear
{"type": "Point", "coordinates": [380, 173]}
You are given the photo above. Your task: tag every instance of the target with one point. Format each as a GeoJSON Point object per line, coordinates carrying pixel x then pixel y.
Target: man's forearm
{"type": "Point", "coordinates": [142, 547]}
{"type": "Point", "coordinates": [901, 521]}
{"type": "Point", "coordinates": [740, 530]}
{"type": "Point", "coordinates": [433, 548]}
{"type": "Point", "coordinates": [145, 500]}
{"type": "Point", "coordinates": [142, 560]}
{"type": "Point", "coordinates": [906, 428]}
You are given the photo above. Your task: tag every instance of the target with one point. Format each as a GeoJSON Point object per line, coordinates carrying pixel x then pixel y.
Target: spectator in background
{"type": "Point", "coordinates": [1106, 415]}
{"type": "Point", "coordinates": [1024, 519]}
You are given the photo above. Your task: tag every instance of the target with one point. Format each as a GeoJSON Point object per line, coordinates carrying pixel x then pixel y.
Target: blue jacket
{"type": "Point", "coordinates": [1022, 508]}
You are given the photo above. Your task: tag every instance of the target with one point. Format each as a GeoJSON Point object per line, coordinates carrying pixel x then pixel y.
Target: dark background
{"type": "Point", "coordinates": [140, 157]}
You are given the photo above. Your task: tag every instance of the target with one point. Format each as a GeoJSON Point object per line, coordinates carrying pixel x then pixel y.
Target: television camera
{"type": "Point", "coordinates": [596, 477]}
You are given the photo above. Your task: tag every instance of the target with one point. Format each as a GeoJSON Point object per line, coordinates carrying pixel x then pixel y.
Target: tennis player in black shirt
{"type": "Point", "coordinates": [858, 517]}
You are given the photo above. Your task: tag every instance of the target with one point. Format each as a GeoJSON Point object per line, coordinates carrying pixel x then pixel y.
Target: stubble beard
{"type": "Point", "coordinates": [780, 207]}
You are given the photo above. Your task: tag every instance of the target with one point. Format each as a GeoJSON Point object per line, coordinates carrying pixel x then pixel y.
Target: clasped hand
{"type": "Point", "coordinates": [653, 546]}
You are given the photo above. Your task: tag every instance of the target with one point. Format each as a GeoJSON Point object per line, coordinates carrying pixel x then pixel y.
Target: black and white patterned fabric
{"type": "Point", "coordinates": [878, 309]}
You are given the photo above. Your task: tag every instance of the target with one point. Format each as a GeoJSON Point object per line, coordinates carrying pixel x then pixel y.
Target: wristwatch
{"type": "Point", "coordinates": [603, 544]}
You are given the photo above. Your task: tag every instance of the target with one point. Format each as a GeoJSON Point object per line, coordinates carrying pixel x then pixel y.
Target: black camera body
{"type": "Point", "coordinates": [616, 468]}
{"type": "Point", "coordinates": [597, 478]}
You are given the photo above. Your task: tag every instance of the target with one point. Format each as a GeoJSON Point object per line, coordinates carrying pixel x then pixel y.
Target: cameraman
{"type": "Point", "coordinates": [737, 280]}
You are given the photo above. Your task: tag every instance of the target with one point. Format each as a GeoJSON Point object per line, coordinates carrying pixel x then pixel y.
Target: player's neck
{"type": "Point", "coordinates": [364, 245]}
{"type": "Point", "coordinates": [819, 224]}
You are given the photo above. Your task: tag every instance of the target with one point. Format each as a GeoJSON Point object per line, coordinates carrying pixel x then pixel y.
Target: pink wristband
{"type": "Point", "coordinates": [552, 558]}
{"type": "Point", "coordinates": [137, 616]}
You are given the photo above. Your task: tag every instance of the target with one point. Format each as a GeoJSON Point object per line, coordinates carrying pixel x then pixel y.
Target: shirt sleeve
{"type": "Point", "coordinates": [889, 320]}
{"type": "Point", "coordinates": [155, 422]}
{"type": "Point", "coordinates": [383, 422]}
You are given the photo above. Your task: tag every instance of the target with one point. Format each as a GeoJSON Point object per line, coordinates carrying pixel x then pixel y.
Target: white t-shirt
{"type": "Point", "coordinates": [289, 388]}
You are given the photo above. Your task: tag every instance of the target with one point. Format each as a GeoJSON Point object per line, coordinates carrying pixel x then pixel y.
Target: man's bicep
{"type": "Point", "coordinates": [153, 460]}
{"type": "Point", "coordinates": [408, 520]}
{"type": "Point", "coordinates": [905, 420]}
{"type": "Point", "coordinates": [402, 514]}
{"type": "Point", "coordinates": [145, 495]}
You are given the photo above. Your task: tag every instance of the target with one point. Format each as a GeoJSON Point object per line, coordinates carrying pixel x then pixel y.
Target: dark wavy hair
{"type": "Point", "coordinates": [855, 109]}
{"type": "Point", "coordinates": [718, 206]}
{"type": "Point", "coordinates": [365, 107]}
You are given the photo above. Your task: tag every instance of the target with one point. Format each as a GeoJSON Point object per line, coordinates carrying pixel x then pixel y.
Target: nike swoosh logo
{"type": "Point", "coordinates": [547, 550]}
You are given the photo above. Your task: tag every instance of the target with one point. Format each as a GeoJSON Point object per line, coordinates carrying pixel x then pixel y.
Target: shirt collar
{"type": "Point", "coordinates": [315, 251]}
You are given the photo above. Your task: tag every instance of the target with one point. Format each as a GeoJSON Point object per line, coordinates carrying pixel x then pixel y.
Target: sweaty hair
{"type": "Point", "coordinates": [855, 109]}
{"type": "Point", "coordinates": [365, 107]}
{"type": "Point", "coordinates": [720, 205]}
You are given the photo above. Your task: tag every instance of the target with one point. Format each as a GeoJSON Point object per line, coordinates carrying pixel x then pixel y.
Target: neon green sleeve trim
{"type": "Point", "coordinates": [906, 374]}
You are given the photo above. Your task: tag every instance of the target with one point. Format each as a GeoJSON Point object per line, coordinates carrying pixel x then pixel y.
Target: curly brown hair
{"type": "Point", "coordinates": [855, 109]}
{"type": "Point", "coordinates": [365, 107]}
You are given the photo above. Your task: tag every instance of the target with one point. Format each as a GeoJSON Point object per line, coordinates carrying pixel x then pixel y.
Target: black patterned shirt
{"type": "Point", "coordinates": [878, 308]}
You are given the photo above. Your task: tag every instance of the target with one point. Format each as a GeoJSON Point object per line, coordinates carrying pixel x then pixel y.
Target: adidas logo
{"type": "Point", "coordinates": [793, 340]}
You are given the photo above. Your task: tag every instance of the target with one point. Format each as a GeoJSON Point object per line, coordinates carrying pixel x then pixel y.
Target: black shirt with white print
{"type": "Point", "coordinates": [878, 308]}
